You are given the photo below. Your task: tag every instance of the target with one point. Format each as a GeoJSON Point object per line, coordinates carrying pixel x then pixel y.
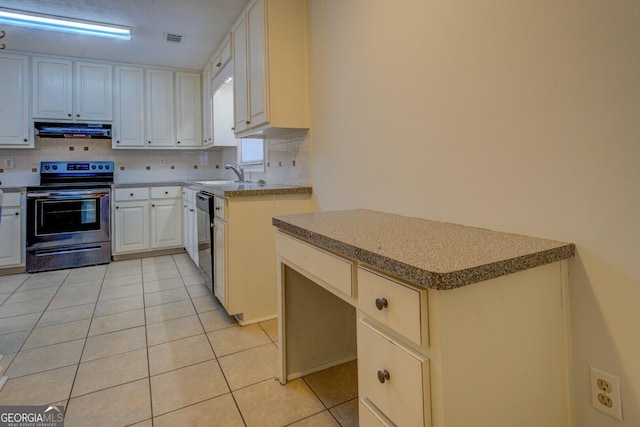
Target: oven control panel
{"type": "Point", "coordinates": [75, 167]}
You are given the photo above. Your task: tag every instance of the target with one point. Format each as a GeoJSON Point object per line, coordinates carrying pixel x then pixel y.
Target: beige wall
{"type": "Point", "coordinates": [521, 116]}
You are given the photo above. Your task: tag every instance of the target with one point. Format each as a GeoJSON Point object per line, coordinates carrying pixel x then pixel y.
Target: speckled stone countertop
{"type": "Point", "coordinates": [12, 189]}
{"type": "Point", "coordinates": [244, 189]}
{"type": "Point", "coordinates": [427, 253]}
{"type": "Point", "coordinates": [236, 189]}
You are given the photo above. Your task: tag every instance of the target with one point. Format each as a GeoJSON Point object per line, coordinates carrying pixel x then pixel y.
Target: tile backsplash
{"type": "Point", "coordinates": [288, 158]}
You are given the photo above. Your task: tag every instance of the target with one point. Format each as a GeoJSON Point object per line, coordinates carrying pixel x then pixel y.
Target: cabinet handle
{"type": "Point", "coordinates": [217, 208]}
{"type": "Point", "coordinates": [233, 128]}
{"type": "Point", "coordinates": [218, 64]}
{"type": "Point", "coordinates": [383, 376]}
{"type": "Point", "coordinates": [190, 210]}
{"type": "Point", "coordinates": [381, 303]}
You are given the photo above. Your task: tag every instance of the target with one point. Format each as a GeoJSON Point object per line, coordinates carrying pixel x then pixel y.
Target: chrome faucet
{"type": "Point", "coordinates": [237, 169]}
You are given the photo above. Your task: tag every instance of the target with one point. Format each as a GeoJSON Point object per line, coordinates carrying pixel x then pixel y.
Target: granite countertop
{"type": "Point", "coordinates": [225, 189]}
{"type": "Point", "coordinates": [242, 189]}
{"type": "Point", "coordinates": [427, 253]}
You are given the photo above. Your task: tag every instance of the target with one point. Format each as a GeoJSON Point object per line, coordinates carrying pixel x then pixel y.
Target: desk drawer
{"type": "Point", "coordinates": [124, 194]}
{"type": "Point", "coordinates": [395, 305]}
{"type": "Point", "coordinates": [331, 269]}
{"type": "Point", "coordinates": [403, 395]}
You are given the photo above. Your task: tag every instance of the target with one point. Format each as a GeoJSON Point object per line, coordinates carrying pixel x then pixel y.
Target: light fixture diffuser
{"type": "Point", "coordinates": [65, 25]}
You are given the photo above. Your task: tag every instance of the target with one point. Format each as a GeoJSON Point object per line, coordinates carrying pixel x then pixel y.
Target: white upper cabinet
{"type": "Point", "coordinates": [222, 55]}
{"type": "Point", "coordinates": [239, 32]}
{"type": "Point", "coordinates": [93, 91]}
{"type": "Point", "coordinates": [159, 106]}
{"type": "Point", "coordinates": [52, 89]}
{"type": "Point", "coordinates": [207, 113]}
{"type": "Point", "coordinates": [14, 110]}
{"type": "Point", "coordinates": [128, 126]}
{"type": "Point", "coordinates": [270, 66]}
{"type": "Point", "coordinates": [54, 85]}
{"type": "Point", "coordinates": [188, 110]}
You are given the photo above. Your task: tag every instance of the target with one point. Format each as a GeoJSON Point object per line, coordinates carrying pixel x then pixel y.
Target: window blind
{"type": "Point", "coordinates": [251, 151]}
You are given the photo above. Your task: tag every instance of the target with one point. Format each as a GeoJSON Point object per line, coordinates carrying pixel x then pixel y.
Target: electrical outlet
{"type": "Point", "coordinates": [163, 162]}
{"type": "Point", "coordinates": [605, 393]}
{"type": "Point", "coordinates": [9, 163]}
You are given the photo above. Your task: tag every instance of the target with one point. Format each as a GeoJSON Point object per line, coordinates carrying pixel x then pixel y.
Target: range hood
{"type": "Point", "coordinates": [72, 130]}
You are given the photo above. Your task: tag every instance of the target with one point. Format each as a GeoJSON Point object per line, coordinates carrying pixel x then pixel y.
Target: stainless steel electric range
{"type": "Point", "coordinates": [68, 216]}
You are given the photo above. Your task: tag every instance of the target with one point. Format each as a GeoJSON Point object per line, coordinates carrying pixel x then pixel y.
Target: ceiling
{"type": "Point", "coordinates": [203, 23]}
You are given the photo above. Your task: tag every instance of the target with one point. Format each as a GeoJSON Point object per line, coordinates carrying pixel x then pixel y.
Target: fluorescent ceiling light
{"type": "Point", "coordinates": [65, 25]}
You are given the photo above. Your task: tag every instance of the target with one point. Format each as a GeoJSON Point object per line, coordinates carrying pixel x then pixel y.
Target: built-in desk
{"type": "Point", "coordinates": [451, 325]}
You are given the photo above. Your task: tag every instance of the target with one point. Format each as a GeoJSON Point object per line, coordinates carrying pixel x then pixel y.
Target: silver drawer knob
{"type": "Point", "coordinates": [383, 376]}
{"type": "Point", "coordinates": [381, 303]}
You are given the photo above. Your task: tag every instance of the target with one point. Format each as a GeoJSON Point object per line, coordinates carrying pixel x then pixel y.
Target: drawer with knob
{"type": "Point", "coordinates": [395, 305]}
{"type": "Point", "coordinates": [171, 192]}
{"type": "Point", "coordinates": [124, 194]}
{"type": "Point", "coordinates": [393, 378]}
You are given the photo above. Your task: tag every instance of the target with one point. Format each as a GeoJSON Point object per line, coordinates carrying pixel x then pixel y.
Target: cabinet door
{"type": "Point", "coordinates": [52, 89]}
{"type": "Point", "coordinates": [93, 89]}
{"type": "Point", "coordinates": [207, 112]}
{"type": "Point", "coordinates": [131, 224]}
{"type": "Point", "coordinates": [166, 223]}
{"type": "Point", "coordinates": [14, 112]}
{"type": "Point", "coordinates": [10, 237]}
{"type": "Point", "coordinates": [219, 262]}
{"type": "Point", "coordinates": [257, 64]}
{"type": "Point", "coordinates": [239, 34]}
{"type": "Point", "coordinates": [159, 106]}
{"type": "Point", "coordinates": [189, 111]}
{"type": "Point", "coordinates": [224, 51]}
{"type": "Point", "coordinates": [129, 107]}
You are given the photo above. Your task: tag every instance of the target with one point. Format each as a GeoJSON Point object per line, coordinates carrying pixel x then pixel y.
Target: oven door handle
{"type": "Point", "coordinates": [67, 194]}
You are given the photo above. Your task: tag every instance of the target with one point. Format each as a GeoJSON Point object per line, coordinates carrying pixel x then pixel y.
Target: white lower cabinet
{"type": "Point", "coordinates": [147, 219]}
{"type": "Point", "coordinates": [11, 236]}
{"type": "Point", "coordinates": [190, 223]}
{"type": "Point", "coordinates": [219, 261]}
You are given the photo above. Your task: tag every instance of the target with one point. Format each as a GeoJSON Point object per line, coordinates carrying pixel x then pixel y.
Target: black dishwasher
{"type": "Point", "coordinates": [204, 203]}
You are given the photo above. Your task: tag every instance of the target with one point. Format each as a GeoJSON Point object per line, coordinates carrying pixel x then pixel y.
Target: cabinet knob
{"type": "Point", "coordinates": [218, 64]}
{"type": "Point", "coordinates": [233, 128]}
{"type": "Point", "coordinates": [178, 142]}
{"type": "Point", "coordinates": [17, 213]}
{"type": "Point", "coordinates": [69, 114]}
{"type": "Point", "coordinates": [118, 142]}
{"type": "Point", "coordinates": [131, 195]}
{"type": "Point", "coordinates": [190, 210]}
{"type": "Point", "coordinates": [153, 206]}
{"type": "Point", "coordinates": [248, 122]}
{"type": "Point", "coordinates": [117, 207]}
{"type": "Point", "coordinates": [25, 140]}
{"type": "Point", "coordinates": [148, 142]}
{"type": "Point", "coordinates": [78, 115]}
{"type": "Point", "coordinates": [383, 376]}
{"type": "Point", "coordinates": [217, 208]}
{"type": "Point", "coordinates": [381, 303]}
{"type": "Point", "coordinates": [166, 192]}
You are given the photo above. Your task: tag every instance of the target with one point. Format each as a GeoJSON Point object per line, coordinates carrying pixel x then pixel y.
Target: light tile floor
{"type": "Point", "coordinates": [142, 342]}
